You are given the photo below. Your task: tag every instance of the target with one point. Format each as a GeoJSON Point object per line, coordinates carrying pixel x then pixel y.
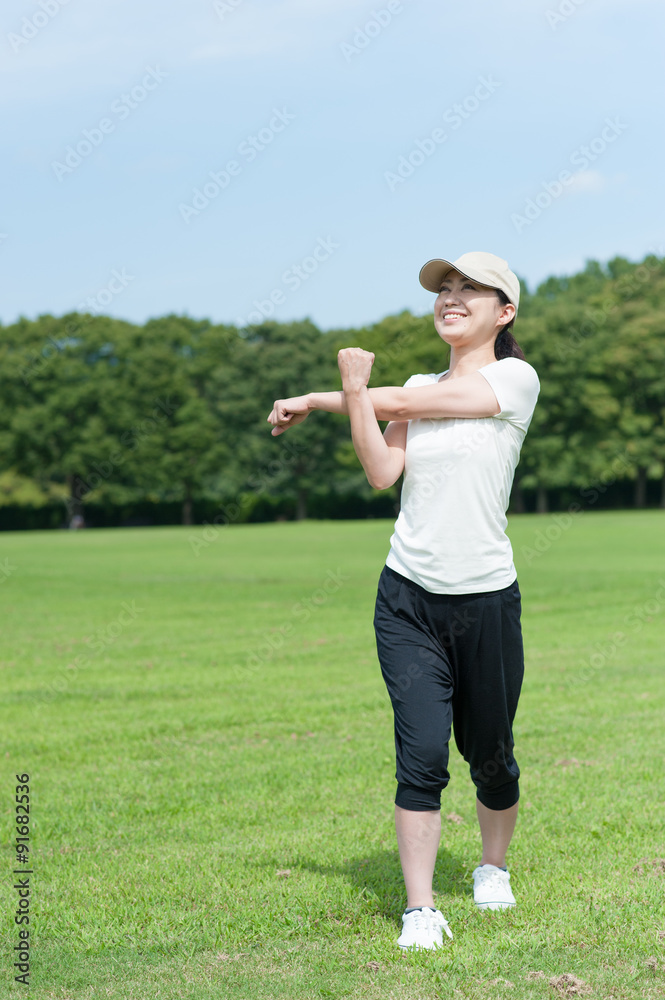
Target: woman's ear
{"type": "Point", "coordinates": [507, 313]}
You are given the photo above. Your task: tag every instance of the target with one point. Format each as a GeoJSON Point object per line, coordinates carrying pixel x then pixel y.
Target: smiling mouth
{"type": "Point", "coordinates": [453, 317]}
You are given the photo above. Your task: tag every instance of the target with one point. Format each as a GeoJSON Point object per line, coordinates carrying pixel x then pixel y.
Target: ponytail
{"type": "Point", "coordinates": [505, 345]}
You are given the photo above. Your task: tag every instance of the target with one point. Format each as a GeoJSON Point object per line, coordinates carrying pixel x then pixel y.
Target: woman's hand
{"type": "Point", "coordinates": [355, 367]}
{"type": "Point", "coordinates": [289, 412]}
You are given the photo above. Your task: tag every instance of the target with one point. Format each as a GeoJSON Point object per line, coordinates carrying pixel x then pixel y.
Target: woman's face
{"type": "Point", "coordinates": [469, 314]}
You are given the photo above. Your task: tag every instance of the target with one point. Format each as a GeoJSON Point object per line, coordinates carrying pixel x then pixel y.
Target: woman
{"type": "Point", "coordinates": [447, 614]}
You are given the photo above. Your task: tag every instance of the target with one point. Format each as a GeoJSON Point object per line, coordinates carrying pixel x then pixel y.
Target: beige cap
{"type": "Point", "coordinates": [485, 268]}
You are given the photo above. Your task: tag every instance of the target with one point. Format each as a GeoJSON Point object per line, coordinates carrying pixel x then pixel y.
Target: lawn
{"type": "Point", "coordinates": [209, 746]}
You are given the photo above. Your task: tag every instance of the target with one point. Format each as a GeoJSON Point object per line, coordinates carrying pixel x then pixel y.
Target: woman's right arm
{"type": "Point", "coordinates": [382, 455]}
{"type": "Point", "coordinates": [467, 396]}
{"type": "Point", "coordinates": [287, 413]}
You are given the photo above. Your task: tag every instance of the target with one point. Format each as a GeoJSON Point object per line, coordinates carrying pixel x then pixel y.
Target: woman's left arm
{"type": "Point", "coordinates": [381, 455]}
{"type": "Point", "coordinates": [465, 396]}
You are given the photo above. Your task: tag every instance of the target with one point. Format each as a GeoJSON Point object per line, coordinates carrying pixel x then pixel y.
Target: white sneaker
{"type": "Point", "coordinates": [422, 929]}
{"type": "Point", "coordinates": [491, 888]}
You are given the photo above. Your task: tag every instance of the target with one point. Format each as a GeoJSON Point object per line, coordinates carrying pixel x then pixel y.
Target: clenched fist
{"type": "Point", "coordinates": [355, 367]}
{"type": "Point", "coordinates": [287, 413]}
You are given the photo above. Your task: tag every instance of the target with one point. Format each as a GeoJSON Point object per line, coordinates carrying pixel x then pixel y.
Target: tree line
{"type": "Point", "coordinates": [108, 422]}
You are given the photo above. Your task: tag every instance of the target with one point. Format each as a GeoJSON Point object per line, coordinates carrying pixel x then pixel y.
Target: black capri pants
{"type": "Point", "coordinates": [451, 660]}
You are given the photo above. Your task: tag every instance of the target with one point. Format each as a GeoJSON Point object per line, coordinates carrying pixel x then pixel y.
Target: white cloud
{"type": "Point", "coordinates": [587, 182]}
{"type": "Point", "coordinates": [593, 182]}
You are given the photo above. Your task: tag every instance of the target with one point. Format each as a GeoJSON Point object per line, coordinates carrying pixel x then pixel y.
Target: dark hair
{"type": "Point", "coordinates": [505, 345]}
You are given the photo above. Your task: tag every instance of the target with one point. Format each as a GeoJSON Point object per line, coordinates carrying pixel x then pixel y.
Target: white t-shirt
{"type": "Point", "coordinates": [450, 536]}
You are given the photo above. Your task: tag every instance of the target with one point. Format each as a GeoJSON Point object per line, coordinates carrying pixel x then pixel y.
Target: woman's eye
{"type": "Point", "coordinates": [446, 288]}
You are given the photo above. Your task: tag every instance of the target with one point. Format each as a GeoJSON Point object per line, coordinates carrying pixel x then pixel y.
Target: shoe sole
{"type": "Point", "coordinates": [495, 905]}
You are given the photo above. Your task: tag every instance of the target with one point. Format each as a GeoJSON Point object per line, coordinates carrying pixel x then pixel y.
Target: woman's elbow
{"type": "Point", "coordinates": [381, 481]}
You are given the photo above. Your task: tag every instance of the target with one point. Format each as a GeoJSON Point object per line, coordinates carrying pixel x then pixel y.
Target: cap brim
{"type": "Point", "coordinates": [434, 271]}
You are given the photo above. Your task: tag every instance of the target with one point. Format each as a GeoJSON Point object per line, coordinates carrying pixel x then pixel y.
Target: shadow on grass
{"type": "Point", "coordinates": [378, 877]}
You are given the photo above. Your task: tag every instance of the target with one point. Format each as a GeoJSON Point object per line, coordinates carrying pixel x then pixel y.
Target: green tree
{"type": "Point", "coordinates": [274, 361]}
{"type": "Point", "coordinates": [64, 404]}
{"type": "Point", "coordinates": [178, 445]}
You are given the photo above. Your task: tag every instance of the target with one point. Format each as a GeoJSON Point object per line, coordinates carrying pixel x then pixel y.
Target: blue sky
{"type": "Point", "coordinates": [335, 147]}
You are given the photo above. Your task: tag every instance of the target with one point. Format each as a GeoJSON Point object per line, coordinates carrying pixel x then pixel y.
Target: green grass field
{"type": "Point", "coordinates": [210, 753]}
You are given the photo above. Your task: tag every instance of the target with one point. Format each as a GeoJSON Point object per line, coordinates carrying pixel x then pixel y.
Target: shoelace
{"type": "Point", "coordinates": [426, 920]}
{"type": "Point", "coordinates": [439, 920]}
{"type": "Point", "coordinates": [492, 879]}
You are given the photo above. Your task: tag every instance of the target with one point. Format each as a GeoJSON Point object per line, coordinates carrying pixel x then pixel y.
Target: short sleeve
{"type": "Point", "coordinates": [418, 380]}
{"type": "Point", "coordinates": [516, 387]}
